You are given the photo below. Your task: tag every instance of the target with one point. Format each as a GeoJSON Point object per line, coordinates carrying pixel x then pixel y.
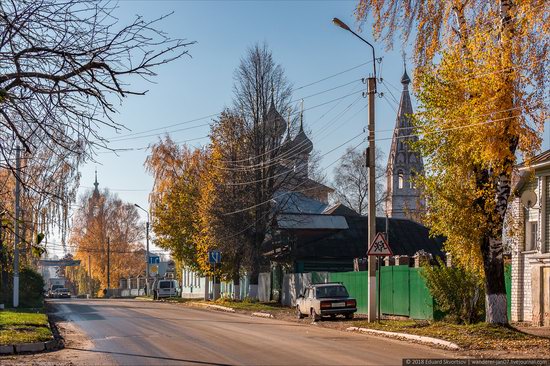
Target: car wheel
{"type": "Point", "coordinates": [314, 316]}
{"type": "Point", "coordinates": [299, 314]}
{"type": "Point", "coordinates": [349, 316]}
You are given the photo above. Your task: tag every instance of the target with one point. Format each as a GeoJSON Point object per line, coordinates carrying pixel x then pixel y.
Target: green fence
{"type": "Point", "coordinates": [356, 283]}
{"type": "Point", "coordinates": [404, 291]}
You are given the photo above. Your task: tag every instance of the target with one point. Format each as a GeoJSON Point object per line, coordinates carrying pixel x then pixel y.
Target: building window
{"type": "Point", "coordinates": [412, 184]}
{"type": "Point", "coordinates": [531, 235]}
{"type": "Point", "coordinates": [400, 180]}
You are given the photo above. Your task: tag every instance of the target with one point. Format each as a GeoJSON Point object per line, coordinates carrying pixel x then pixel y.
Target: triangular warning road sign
{"type": "Point", "coordinates": [379, 246]}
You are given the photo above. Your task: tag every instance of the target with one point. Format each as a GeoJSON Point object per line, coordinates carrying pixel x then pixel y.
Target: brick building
{"type": "Point", "coordinates": [528, 229]}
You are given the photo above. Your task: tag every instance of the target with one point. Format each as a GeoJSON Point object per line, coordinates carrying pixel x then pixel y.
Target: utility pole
{"type": "Point", "coordinates": [372, 202]}
{"type": "Point", "coordinates": [90, 274]}
{"type": "Point", "coordinates": [147, 257]}
{"type": "Point", "coordinates": [371, 91]}
{"type": "Point", "coordinates": [146, 253]}
{"type": "Point", "coordinates": [108, 265]}
{"type": "Point", "coordinates": [16, 229]}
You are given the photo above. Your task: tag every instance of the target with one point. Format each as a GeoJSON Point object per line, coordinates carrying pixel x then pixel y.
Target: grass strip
{"type": "Point", "coordinates": [23, 326]}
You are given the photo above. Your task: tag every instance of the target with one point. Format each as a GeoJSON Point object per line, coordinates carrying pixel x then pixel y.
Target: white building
{"type": "Point", "coordinates": [529, 241]}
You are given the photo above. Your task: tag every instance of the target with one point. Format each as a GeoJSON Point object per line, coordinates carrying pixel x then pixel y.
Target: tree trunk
{"type": "Point", "coordinates": [495, 290]}
{"type": "Point", "coordinates": [254, 276]}
{"type": "Point", "coordinates": [236, 285]}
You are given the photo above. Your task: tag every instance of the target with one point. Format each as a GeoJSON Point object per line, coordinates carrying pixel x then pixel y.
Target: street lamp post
{"type": "Point", "coordinates": [371, 182]}
{"type": "Point", "coordinates": [147, 254]}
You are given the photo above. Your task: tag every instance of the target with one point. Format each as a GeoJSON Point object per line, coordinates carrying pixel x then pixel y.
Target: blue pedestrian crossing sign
{"type": "Point", "coordinates": [214, 256]}
{"type": "Point", "coordinates": [154, 259]}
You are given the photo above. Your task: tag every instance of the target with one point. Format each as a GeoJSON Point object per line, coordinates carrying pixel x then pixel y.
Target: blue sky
{"type": "Point", "coordinates": [303, 40]}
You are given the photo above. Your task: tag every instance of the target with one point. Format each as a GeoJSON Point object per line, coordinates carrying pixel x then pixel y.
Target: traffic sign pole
{"type": "Point", "coordinates": [379, 284]}
{"type": "Point", "coordinates": [379, 248]}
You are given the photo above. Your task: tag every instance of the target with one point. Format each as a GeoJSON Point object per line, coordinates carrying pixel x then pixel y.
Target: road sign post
{"type": "Point", "coordinates": [379, 248]}
{"type": "Point", "coordinates": [214, 257]}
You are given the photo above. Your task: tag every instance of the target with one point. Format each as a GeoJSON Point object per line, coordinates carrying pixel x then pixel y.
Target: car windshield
{"type": "Point", "coordinates": [165, 284]}
{"type": "Point", "coordinates": [331, 291]}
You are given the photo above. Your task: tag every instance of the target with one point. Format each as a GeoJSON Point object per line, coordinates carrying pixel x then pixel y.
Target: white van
{"type": "Point", "coordinates": [165, 288]}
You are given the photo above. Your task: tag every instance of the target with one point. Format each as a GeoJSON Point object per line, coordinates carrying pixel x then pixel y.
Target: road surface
{"type": "Point", "coordinates": [131, 332]}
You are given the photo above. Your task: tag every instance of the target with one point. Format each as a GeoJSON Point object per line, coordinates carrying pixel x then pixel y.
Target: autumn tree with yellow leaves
{"type": "Point", "coordinates": [103, 217]}
{"type": "Point", "coordinates": [227, 189]}
{"type": "Point", "coordinates": [482, 71]}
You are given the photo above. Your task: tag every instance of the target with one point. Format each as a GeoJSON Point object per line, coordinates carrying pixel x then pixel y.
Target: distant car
{"type": "Point", "coordinates": [51, 291]}
{"type": "Point", "coordinates": [327, 299]}
{"type": "Point", "coordinates": [62, 293]}
{"type": "Point", "coordinates": [165, 288]}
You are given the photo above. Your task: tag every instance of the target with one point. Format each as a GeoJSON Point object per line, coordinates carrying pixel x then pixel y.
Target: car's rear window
{"type": "Point", "coordinates": [165, 284]}
{"type": "Point", "coordinates": [331, 291]}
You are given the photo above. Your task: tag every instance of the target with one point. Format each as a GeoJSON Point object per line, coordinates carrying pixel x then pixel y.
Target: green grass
{"type": "Point", "coordinates": [475, 336]}
{"type": "Point", "coordinates": [23, 326]}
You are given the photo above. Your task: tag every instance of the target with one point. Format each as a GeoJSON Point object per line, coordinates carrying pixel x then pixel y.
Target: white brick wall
{"type": "Point", "coordinates": [521, 269]}
{"type": "Point", "coordinates": [513, 238]}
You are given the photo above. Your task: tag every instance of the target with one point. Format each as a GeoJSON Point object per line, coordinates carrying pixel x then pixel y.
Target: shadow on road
{"type": "Point", "coordinates": [152, 357]}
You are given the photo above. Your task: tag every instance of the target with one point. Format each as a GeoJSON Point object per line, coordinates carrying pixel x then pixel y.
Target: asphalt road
{"type": "Point", "coordinates": [131, 332]}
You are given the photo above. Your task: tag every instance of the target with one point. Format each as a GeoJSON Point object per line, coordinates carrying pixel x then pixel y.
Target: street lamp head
{"type": "Point", "coordinates": [340, 23]}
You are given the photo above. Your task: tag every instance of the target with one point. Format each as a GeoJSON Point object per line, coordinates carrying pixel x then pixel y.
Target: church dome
{"type": "Point", "coordinates": [405, 80]}
{"type": "Point", "coordinates": [301, 143]}
{"type": "Point", "coordinates": [275, 121]}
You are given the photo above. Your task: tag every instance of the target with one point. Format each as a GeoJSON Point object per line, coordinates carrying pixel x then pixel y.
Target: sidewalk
{"type": "Point", "coordinates": [536, 331]}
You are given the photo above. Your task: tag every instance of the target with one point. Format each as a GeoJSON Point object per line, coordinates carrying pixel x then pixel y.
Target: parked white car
{"type": "Point", "coordinates": [165, 288]}
{"type": "Point", "coordinates": [327, 299]}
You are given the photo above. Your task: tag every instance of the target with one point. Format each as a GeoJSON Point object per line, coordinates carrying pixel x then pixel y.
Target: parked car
{"type": "Point", "coordinates": [165, 288]}
{"type": "Point", "coordinates": [327, 299]}
{"type": "Point", "coordinates": [61, 293]}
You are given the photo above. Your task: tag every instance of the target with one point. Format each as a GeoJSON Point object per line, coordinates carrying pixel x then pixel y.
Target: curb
{"type": "Point", "coordinates": [221, 308]}
{"type": "Point", "coordinates": [422, 339]}
{"type": "Point", "coordinates": [36, 347]}
{"type": "Point", "coordinates": [212, 306]}
{"type": "Point", "coordinates": [263, 315]}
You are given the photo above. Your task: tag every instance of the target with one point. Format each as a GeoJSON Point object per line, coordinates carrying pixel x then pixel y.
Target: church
{"type": "Point", "coordinates": [310, 234]}
{"type": "Point", "coordinates": [403, 198]}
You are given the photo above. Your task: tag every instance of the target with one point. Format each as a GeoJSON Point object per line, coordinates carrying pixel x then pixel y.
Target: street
{"type": "Point", "coordinates": [130, 332]}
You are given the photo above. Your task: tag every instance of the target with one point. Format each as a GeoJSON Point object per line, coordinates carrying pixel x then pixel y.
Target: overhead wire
{"type": "Point", "coordinates": [294, 150]}
{"type": "Point", "coordinates": [295, 89]}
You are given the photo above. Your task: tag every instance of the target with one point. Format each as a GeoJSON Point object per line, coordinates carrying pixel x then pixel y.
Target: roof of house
{"type": "Point", "coordinates": [311, 222]}
{"type": "Point", "coordinates": [340, 209]}
{"type": "Point", "coordinates": [405, 237]}
{"type": "Point", "coordinates": [296, 202]}
{"type": "Point", "coordinates": [541, 159]}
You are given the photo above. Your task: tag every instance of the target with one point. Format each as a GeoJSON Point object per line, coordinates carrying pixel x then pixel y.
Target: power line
{"type": "Point", "coordinates": [289, 192]}
{"type": "Point", "coordinates": [286, 154]}
{"type": "Point", "coordinates": [334, 75]}
{"type": "Point", "coordinates": [217, 114]}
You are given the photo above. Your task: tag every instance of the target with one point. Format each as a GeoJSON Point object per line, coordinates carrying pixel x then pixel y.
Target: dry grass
{"type": "Point", "coordinates": [479, 336]}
